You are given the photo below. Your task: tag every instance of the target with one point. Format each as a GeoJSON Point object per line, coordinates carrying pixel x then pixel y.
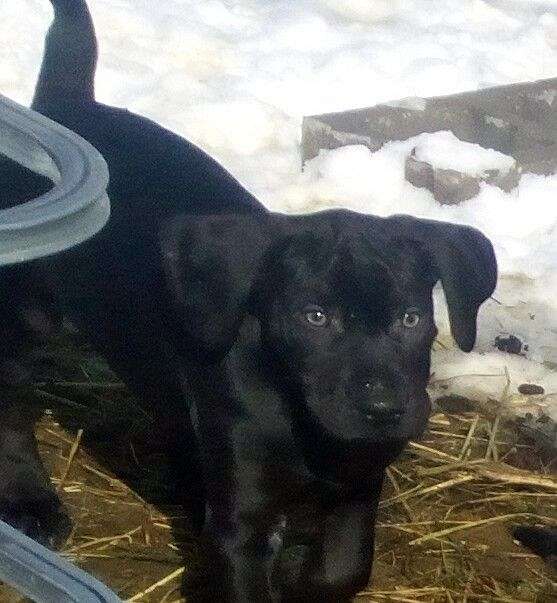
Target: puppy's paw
{"type": "Point", "coordinates": [40, 517]}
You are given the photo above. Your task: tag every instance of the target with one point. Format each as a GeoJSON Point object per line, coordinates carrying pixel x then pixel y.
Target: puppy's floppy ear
{"type": "Point", "coordinates": [211, 265]}
{"type": "Point", "coordinates": [464, 260]}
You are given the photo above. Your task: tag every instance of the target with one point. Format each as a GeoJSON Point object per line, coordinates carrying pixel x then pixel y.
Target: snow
{"type": "Point", "coordinates": [414, 103]}
{"type": "Point", "coordinates": [445, 151]}
{"type": "Point", "coordinates": [236, 77]}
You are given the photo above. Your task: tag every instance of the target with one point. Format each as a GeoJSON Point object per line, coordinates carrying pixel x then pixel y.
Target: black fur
{"type": "Point", "coordinates": [540, 539]}
{"type": "Point", "coordinates": [281, 340]}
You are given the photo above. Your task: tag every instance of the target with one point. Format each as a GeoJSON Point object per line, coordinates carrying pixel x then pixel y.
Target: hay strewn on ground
{"type": "Point", "coordinates": [443, 533]}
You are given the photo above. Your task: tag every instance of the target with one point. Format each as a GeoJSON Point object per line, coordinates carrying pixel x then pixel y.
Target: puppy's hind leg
{"type": "Point", "coordinates": [150, 369]}
{"type": "Point", "coordinates": [27, 499]}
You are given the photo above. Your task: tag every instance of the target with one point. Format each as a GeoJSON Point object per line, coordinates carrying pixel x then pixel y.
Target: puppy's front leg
{"type": "Point", "coordinates": [242, 538]}
{"type": "Point", "coordinates": [338, 563]}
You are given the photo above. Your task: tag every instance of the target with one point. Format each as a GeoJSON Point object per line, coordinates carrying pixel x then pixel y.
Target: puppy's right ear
{"type": "Point", "coordinates": [211, 264]}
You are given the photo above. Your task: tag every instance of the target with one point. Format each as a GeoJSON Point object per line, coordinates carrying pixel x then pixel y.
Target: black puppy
{"type": "Point", "coordinates": [293, 350]}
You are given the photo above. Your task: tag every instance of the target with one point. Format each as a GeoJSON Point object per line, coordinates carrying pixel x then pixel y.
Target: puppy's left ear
{"type": "Point", "coordinates": [212, 263]}
{"type": "Point", "coordinates": [464, 260]}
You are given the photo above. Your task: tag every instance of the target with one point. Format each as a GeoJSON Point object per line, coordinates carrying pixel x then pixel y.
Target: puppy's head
{"type": "Point", "coordinates": [344, 302]}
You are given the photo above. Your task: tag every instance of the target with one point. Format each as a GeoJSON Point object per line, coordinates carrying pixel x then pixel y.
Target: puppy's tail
{"type": "Point", "coordinates": [70, 57]}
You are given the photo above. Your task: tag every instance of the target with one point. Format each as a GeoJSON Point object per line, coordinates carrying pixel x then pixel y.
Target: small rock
{"type": "Point", "coordinates": [455, 403]}
{"type": "Point", "coordinates": [506, 181]}
{"type": "Point", "coordinates": [418, 173]}
{"type": "Point", "coordinates": [451, 187]}
{"type": "Point", "coordinates": [510, 344]}
{"type": "Point", "coordinates": [542, 429]}
{"type": "Point", "coordinates": [530, 389]}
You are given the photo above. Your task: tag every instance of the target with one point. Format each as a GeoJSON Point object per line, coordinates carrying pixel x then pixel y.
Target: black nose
{"type": "Point", "coordinates": [381, 403]}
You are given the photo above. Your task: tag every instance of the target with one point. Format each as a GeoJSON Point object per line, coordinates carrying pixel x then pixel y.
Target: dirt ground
{"type": "Point", "coordinates": [443, 533]}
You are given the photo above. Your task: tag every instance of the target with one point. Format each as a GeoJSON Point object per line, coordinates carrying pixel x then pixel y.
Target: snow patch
{"type": "Point", "coordinates": [443, 150]}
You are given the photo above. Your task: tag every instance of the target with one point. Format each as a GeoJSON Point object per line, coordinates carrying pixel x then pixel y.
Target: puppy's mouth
{"type": "Point", "coordinates": [382, 414]}
{"type": "Point", "coordinates": [407, 420]}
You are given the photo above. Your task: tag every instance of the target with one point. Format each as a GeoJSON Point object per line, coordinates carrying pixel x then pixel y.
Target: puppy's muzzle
{"type": "Point", "coordinates": [380, 403]}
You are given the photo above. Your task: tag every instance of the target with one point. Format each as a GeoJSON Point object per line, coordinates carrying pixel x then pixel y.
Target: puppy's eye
{"type": "Point", "coordinates": [411, 318]}
{"type": "Point", "coordinates": [315, 316]}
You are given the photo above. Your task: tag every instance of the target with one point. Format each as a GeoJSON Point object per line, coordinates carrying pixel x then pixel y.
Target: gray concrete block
{"type": "Point", "coordinates": [519, 120]}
